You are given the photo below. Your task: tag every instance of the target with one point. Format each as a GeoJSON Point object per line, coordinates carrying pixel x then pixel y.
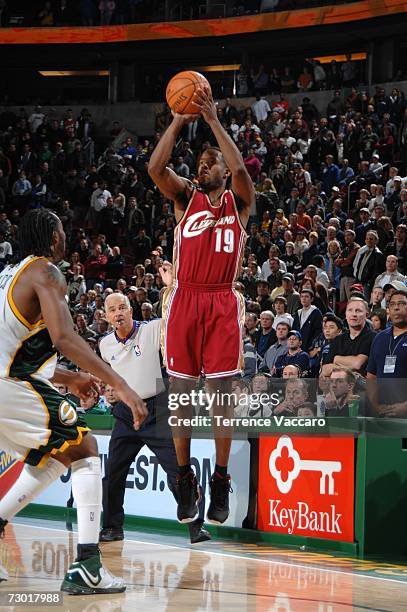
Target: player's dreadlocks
{"type": "Point", "coordinates": [35, 233]}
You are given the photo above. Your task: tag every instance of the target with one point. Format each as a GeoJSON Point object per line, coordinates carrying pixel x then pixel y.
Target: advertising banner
{"type": "Point", "coordinates": [147, 492]}
{"type": "Point", "coordinates": [306, 486]}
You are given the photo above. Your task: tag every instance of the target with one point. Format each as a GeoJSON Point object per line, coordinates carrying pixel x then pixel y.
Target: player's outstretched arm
{"type": "Point", "coordinates": [50, 288]}
{"type": "Point", "coordinates": [242, 184]}
{"type": "Point", "coordinates": [168, 182]}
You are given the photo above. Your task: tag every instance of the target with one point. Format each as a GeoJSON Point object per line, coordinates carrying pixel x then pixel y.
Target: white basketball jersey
{"type": "Point", "coordinates": [25, 349]}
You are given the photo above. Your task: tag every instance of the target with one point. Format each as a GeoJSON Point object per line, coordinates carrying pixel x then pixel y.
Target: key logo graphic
{"type": "Point", "coordinates": [306, 486]}
{"type": "Point", "coordinates": [285, 465]}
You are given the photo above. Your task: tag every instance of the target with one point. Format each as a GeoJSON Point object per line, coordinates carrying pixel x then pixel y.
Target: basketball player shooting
{"type": "Point", "coordinates": [203, 314]}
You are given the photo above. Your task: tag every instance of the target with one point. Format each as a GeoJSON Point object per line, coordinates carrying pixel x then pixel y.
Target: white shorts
{"type": "Point", "coordinates": [36, 421]}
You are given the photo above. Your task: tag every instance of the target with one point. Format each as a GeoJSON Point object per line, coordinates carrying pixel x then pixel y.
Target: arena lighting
{"type": "Point", "coordinates": [326, 59]}
{"type": "Point", "coordinates": [73, 73]}
{"type": "Point", "coordinates": [219, 68]}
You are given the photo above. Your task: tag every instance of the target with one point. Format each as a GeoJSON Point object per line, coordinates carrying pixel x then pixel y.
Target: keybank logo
{"type": "Point", "coordinates": [306, 486]}
{"type": "Point", "coordinates": [285, 465]}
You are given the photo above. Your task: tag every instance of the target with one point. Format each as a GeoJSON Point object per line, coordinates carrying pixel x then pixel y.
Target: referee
{"type": "Point", "coordinates": [133, 350]}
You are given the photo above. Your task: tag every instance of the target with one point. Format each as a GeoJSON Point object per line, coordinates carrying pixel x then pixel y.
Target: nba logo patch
{"type": "Point", "coordinates": [137, 350]}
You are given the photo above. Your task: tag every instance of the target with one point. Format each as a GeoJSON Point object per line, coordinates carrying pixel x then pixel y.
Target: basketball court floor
{"type": "Point", "coordinates": [166, 573]}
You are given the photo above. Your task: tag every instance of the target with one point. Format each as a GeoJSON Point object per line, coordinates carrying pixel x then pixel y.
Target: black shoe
{"type": "Point", "coordinates": [188, 496]}
{"type": "Point", "coordinates": [111, 534]}
{"type": "Point", "coordinates": [220, 488]}
{"type": "Point", "coordinates": [3, 523]}
{"type": "Point", "coordinates": [197, 533]}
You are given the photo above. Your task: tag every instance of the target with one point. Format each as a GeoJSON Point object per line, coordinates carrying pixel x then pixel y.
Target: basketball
{"type": "Point", "coordinates": [181, 89]}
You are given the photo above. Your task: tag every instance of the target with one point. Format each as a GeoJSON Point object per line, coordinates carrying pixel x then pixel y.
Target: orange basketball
{"type": "Point", "coordinates": [181, 89]}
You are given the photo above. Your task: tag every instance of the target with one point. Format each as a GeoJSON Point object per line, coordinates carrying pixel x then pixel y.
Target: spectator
{"type": "Point", "coordinates": [351, 348]}
{"type": "Point", "coordinates": [332, 326]}
{"type": "Point", "coordinates": [390, 274]}
{"type": "Point", "coordinates": [147, 311]}
{"type": "Point", "coordinates": [277, 349]}
{"type": "Point", "coordinates": [292, 296]}
{"type": "Point", "coordinates": [341, 388]}
{"type": "Point", "coordinates": [263, 295]}
{"type": "Point", "coordinates": [84, 330]}
{"type": "Point", "coordinates": [294, 356]}
{"type": "Point", "coordinates": [280, 306]}
{"type": "Point", "coordinates": [266, 336]}
{"type": "Point", "coordinates": [308, 319]}
{"type": "Point", "coordinates": [345, 264]}
{"type": "Point", "coordinates": [368, 263]}
{"type": "Point", "coordinates": [6, 251]}
{"type": "Point", "coordinates": [296, 392]}
{"type": "Point", "coordinates": [95, 266]}
{"type": "Point", "coordinates": [106, 9]}
{"type": "Point", "coordinates": [387, 362]}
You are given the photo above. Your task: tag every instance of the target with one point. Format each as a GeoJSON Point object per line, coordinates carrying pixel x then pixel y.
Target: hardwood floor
{"type": "Point", "coordinates": [167, 574]}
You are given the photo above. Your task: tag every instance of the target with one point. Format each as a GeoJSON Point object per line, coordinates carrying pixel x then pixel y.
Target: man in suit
{"type": "Point", "coordinates": [368, 263]}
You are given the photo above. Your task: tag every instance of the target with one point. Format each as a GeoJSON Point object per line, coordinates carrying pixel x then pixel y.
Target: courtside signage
{"type": "Point", "coordinates": [306, 486]}
{"type": "Point", "coordinates": [10, 470]}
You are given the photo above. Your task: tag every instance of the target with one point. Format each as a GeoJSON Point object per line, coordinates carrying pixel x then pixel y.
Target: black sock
{"type": "Point", "coordinates": [85, 551]}
{"type": "Point", "coordinates": [3, 523]}
{"type": "Point", "coordinates": [222, 470]}
{"type": "Point", "coordinates": [183, 470]}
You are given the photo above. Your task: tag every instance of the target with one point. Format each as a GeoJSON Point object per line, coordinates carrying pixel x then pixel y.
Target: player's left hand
{"type": "Point", "coordinates": [84, 385]}
{"type": "Point", "coordinates": [166, 273]}
{"type": "Point", "coordinates": [203, 100]}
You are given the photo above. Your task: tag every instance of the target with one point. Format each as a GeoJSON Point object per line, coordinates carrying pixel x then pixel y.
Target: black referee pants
{"type": "Point", "coordinates": [124, 446]}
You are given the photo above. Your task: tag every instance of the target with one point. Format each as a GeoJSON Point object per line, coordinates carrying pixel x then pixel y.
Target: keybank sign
{"type": "Point", "coordinates": [306, 486]}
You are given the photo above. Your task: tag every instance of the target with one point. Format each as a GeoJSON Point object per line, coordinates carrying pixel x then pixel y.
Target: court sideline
{"type": "Point", "coordinates": [165, 573]}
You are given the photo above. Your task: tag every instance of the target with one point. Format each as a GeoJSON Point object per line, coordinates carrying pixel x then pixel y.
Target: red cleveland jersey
{"type": "Point", "coordinates": [209, 242]}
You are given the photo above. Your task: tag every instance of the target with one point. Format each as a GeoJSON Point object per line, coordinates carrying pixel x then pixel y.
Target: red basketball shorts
{"type": "Point", "coordinates": [203, 331]}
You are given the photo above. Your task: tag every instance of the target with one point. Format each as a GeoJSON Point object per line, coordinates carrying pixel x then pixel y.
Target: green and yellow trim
{"type": "Point", "coordinates": [19, 316]}
{"type": "Point", "coordinates": [65, 445]}
{"type": "Point", "coordinates": [27, 338]}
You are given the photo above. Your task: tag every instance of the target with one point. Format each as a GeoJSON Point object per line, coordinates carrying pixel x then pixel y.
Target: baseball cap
{"type": "Point", "coordinates": [335, 188]}
{"type": "Point", "coordinates": [357, 287]}
{"type": "Point", "coordinates": [366, 210]}
{"type": "Point", "coordinates": [398, 285]}
{"type": "Point", "coordinates": [289, 276]}
{"type": "Point", "coordinates": [294, 332]}
{"type": "Point", "coordinates": [397, 178]}
{"type": "Point", "coordinates": [280, 298]}
{"type": "Point", "coordinates": [132, 288]}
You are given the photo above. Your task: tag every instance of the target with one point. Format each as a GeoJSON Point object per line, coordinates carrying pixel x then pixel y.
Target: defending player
{"type": "Point", "coordinates": [203, 312]}
{"type": "Point", "coordinates": [37, 424]}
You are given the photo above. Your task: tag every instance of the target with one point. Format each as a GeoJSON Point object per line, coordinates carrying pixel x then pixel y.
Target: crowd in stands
{"type": "Point", "coordinates": [51, 13]}
{"type": "Point", "coordinates": [327, 244]}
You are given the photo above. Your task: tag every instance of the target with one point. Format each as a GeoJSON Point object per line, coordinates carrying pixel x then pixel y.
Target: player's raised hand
{"type": "Point", "coordinates": [166, 273]}
{"type": "Point", "coordinates": [134, 402]}
{"type": "Point", "coordinates": [182, 120]}
{"type": "Point", "coordinates": [203, 100]}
